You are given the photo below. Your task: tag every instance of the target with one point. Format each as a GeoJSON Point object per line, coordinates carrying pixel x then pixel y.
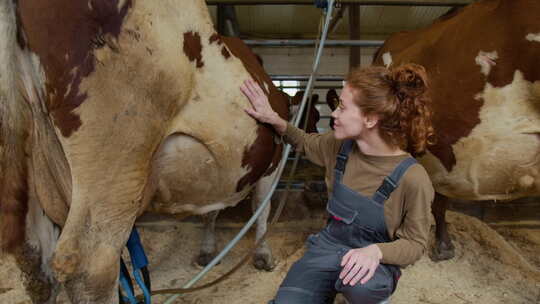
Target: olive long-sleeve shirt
{"type": "Point", "coordinates": [408, 209]}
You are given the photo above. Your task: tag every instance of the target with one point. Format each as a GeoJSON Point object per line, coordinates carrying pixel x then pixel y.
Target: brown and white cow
{"type": "Point", "coordinates": [263, 258]}
{"type": "Point", "coordinates": [483, 63]}
{"type": "Point", "coordinates": [98, 99]}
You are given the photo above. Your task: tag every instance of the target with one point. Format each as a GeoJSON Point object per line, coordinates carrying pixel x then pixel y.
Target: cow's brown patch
{"type": "Point", "coordinates": [225, 52]}
{"type": "Point", "coordinates": [264, 151]}
{"type": "Point", "coordinates": [63, 34]}
{"type": "Point", "coordinates": [215, 38]}
{"type": "Point", "coordinates": [13, 209]}
{"type": "Point", "coordinates": [193, 48]}
{"type": "Point", "coordinates": [275, 159]}
{"type": "Point", "coordinates": [256, 157]}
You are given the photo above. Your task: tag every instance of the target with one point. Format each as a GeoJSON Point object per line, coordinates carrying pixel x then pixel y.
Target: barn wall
{"type": "Point", "coordinates": [296, 61]}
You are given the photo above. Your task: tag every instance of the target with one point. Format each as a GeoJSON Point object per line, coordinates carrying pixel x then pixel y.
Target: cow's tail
{"type": "Point", "coordinates": [13, 135]}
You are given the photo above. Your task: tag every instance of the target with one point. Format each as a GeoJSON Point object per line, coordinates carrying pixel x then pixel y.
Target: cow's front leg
{"type": "Point", "coordinates": [208, 245]}
{"type": "Point", "coordinates": [444, 249]}
{"type": "Point", "coordinates": [263, 259]}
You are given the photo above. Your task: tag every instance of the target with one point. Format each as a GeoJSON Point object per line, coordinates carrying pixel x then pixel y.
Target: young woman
{"type": "Point", "coordinates": [380, 197]}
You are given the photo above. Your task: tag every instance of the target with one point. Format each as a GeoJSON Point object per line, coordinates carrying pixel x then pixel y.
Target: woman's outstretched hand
{"type": "Point", "coordinates": [261, 109]}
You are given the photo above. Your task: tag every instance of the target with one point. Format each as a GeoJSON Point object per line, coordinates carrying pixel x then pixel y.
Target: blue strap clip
{"type": "Point", "coordinates": [323, 4]}
{"type": "Point", "coordinates": [139, 262]}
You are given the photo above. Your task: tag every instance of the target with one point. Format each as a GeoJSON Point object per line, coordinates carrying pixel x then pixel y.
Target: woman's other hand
{"type": "Point", "coordinates": [261, 109]}
{"type": "Point", "coordinates": [360, 264]}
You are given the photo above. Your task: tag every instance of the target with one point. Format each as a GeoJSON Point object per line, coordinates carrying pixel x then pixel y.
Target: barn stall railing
{"type": "Point", "coordinates": [360, 2]}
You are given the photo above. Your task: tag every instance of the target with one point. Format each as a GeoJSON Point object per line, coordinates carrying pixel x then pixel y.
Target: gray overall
{"type": "Point", "coordinates": [357, 221]}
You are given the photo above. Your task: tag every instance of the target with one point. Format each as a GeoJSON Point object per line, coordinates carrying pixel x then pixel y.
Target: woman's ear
{"type": "Point", "coordinates": [370, 121]}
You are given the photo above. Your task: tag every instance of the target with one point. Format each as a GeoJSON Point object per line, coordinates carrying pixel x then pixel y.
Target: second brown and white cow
{"type": "Point", "coordinates": [483, 63]}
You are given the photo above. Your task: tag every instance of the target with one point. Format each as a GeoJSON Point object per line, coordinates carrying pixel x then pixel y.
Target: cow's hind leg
{"type": "Point", "coordinates": [208, 246]}
{"type": "Point", "coordinates": [444, 249]}
{"type": "Point", "coordinates": [263, 259]}
{"type": "Point", "coordinates": [87, 258]}
{"type": "Point", "coordinates": [34, 256]}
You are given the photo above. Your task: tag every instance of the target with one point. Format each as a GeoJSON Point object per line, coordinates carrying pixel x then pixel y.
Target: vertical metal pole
{"type": "Point", "coordinates": [227, 23]}
{"type": "Point", "coordinates": [354, 30]}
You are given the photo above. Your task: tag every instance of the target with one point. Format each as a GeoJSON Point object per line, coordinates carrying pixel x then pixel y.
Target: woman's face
{"type": "Point", "coordinates": [349, 121]}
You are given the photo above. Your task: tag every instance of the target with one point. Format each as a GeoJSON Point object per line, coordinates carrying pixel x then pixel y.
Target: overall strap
{"type": "Point", "coordinates": [391, 182]}
{"type": "Point", "coordinates": [341, 160]}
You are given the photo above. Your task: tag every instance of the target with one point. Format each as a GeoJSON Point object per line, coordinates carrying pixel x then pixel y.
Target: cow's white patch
{"type": "Point", "coordinates": [32, 76]}
{"type": "Point", "coordinates": [262, 189]}
{"type": "Point", "coordinates": [198, 209]}
{"type": "Point", "coordinates": [208, 244]}
{"type": "Point", "coordinates": [500, 158]}
{"type": "Point", "coordinates": [41, 234]}
{"type": "Point", "coordinates": [387, 59]}
{"type": "Point", "coordinates": [533, 37]}
{"type": "Point", "coordinates": [8, 50]}
{"type": "Point", "coordinates": [486, 60]}
{"type": "Point", "coordinates": [293, 110]}
{"type": "Point", "coordinates": [121, 4]}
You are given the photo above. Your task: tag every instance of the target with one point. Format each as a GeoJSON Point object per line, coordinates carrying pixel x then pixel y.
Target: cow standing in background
{"type": "Point", "coordinates": [98, 99]}
{"type": "Point", "coordinates": [312, 115]}
{"type": "Point", "coordinates": [483, 63]}
{"type": "Point", "coordinates": [332, 100]}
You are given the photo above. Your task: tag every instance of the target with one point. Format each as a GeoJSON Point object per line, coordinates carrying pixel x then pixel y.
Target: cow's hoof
{"type": "Point", "coordinates": [443, 251]}
{"type": "Point", "coordinates": [205, 258]}
{"type": "Point", "coordinates": [264, 262]}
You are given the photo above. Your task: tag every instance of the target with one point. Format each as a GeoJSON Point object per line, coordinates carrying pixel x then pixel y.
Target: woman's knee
{"type": "Point", "coordinates": [295, 295]}
{"type": "Point", "coordinates": [367, 293]}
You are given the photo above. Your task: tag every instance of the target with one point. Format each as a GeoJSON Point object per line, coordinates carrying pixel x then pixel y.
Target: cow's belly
{"type": "Point", "coordinates": [499, 168]}
{"type": "Point", "coordinates": [500, 158]}
{"type": "Point", "coordinates": [192, 179]}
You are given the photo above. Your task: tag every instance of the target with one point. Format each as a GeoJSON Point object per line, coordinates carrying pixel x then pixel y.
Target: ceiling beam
{"type": "Point", "coordinates": [360, 2]}
{"type": "Point", "coordinates": [312, 42]}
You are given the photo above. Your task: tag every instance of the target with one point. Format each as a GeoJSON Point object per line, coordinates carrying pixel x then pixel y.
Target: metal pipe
{"type": "Point", "coordinates": [360, 2]}
{"type": "Point", "coordinates": [306, 77]}
{"type": "Point", "coordinates": [313, 42]}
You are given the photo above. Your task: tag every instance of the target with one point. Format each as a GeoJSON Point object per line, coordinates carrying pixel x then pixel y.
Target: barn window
{"type": "Point", "coordinates": [288, 86]}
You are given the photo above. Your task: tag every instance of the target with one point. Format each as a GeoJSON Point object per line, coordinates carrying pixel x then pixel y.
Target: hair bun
{"type": "Point", "coordinates": [408, 80]}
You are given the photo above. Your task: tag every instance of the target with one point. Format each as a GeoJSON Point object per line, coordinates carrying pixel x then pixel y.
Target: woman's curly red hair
{"type": "Point", "coordinates": [399, 97]}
